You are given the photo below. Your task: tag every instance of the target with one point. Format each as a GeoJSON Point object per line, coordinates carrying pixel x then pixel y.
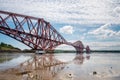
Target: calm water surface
{"type": "Point", "coordinates": [62, 66]}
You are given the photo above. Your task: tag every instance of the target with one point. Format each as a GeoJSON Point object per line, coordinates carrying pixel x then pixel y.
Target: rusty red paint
{"type": "Point", "coordinates": [33, 32]}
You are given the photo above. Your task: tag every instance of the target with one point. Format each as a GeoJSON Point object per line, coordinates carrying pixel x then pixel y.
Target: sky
{"type": "Point", "coordinates": [94, 22]}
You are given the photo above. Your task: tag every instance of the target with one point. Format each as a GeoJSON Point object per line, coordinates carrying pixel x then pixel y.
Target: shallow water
{"type": "Point", "coordinates": [62, 66]}
{"type": "Point", "coordinates": [11, 60]}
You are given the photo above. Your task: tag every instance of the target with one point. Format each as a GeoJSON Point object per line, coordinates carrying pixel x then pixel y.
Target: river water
{"type": "Point", "coordinates": [60, 66]}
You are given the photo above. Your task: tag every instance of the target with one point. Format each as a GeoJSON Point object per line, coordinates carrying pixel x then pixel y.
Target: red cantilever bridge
{"type": "Point", "coordinates": [33, 32]}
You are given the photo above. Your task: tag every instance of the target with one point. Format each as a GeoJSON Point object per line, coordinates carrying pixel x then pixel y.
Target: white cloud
{"type": "Point", "coordinates": [105, 32]}
{"type": "Point", "coordinates": [71, 12]}
{"type": "Point", "coordinates": [67, 30]}
{"type": "Point", "coordinates": [66, 11]}
{"type": "Point", "coordinates": [96, 45]}
{"type": "Point", "coordinates": [104, 45]}
{"type": "Point", "coordinates": [117, 11]}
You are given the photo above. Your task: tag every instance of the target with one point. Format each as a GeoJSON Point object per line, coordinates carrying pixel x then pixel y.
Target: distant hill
{"type": "Point", "coordinates": [8, 47]}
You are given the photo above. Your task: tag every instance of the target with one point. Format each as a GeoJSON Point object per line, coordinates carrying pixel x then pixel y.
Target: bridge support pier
{"type": "Point", "coordinates": [79, 50]}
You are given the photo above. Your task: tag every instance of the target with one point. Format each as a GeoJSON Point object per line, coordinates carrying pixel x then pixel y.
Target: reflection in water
{"type": "Point", "coordinates": [79, 59]}
{"type": "Point", "coordinates": [5, 57]}
{"type": "Point", "coordinates": [50, 67]}
{"type": "Point", "coordinates": [14, 61]}
{"type": "Point", "coordinates": [43, 67]}
{"type": "Point", "coordinates": [65, 57]}
{"type": "Point", "coordinates": [72, 68]}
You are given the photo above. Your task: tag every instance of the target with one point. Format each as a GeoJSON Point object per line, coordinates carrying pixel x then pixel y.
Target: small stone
{"type": "Point", "coordinates": [94, 73]}
{"type": "Point", "coordinates": [67, 67]}
{"type": "Point", "coordinates": [111, 67]}
{"type": "Point", "coordinates": [70, 75]}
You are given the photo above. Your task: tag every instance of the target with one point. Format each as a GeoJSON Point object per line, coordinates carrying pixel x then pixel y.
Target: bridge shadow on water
{"type": "Point", "coordinates": [44, 67]}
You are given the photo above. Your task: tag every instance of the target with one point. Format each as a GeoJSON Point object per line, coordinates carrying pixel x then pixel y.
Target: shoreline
{"type": "Point", "coordinates": [59, 51]}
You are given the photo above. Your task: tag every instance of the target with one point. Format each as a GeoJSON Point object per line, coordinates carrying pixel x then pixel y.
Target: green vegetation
{"type": "Point", "coordinates": [92, 51]}
{"type": "Point", "coordinates": [106, 51]}
{"type": "Point", "coordinates": [4, 59]}
{"type": "Point", "coordinates": [8, 47]}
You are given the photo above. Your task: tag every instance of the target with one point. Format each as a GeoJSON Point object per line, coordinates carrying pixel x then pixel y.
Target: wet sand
{"type": "Point", "coordinates": [81, 67]}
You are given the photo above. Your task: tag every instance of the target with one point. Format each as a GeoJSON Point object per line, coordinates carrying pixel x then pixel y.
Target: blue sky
{"type": "Point", "coordinates": [94, 22]}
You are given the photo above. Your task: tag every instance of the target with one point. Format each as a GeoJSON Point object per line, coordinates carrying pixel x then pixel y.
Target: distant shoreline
{"type": "Point", "coordinates": [115, 51]}
{"type": "Point", "coordinates": [11, 49]}
{"type": "Point", "coordinates": [92, 51]}
{"type": "Point", "coordinates": [59, 51]}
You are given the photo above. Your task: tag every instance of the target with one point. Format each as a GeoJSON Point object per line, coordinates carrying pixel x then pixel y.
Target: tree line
{"type": "Point", "coordinates": [4, 46]}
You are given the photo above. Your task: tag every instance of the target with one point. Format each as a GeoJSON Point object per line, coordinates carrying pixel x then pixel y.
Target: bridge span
{"type": "Point", "coordinates": [33, 32]}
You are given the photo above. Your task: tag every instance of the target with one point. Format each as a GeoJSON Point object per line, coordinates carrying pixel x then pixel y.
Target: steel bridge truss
{"type": "Point", "coordinates": [33, 32]}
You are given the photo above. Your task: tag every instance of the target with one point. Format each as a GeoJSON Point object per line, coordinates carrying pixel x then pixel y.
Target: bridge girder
{"type": "Point", "coordinates": [33, 32]}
